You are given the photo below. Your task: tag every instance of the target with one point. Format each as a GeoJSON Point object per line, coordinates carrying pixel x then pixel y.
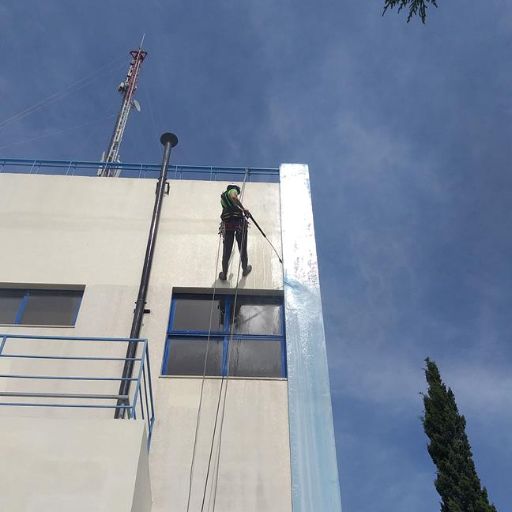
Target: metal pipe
{"type": "Point", "coordinates": [62, 395]}
{"type": "Point", "coordinates": [168, 140]}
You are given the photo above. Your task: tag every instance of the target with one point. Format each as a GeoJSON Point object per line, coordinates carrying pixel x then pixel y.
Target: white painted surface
{"type": "Point", "coordinates": [253, 470]}
{"type": "Point", "coordinates": [93, 231]}
{"type": "Point", "coordinates": [79, 465]}
{"type": "Point", "coordinates": [315, 483]}
{"type": "Point", "coordinates": [61, 229]}
{"type": "Point", "coordinates": [142, 499]}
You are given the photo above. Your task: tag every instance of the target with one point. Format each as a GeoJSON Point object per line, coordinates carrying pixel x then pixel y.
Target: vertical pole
{"type": "Point", "coordinates": [4, 339]}
{"type": "Point", "coordinates": [168, 140]}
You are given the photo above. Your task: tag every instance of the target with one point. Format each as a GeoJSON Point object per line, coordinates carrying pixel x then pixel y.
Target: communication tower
{"type": "Point", "coordinates": [127, 88]}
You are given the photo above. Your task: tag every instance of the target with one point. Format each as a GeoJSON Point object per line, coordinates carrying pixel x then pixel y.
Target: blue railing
{"type": "Point", "coordinates": [139, 170]}
{"type": "Point", "coordinates": [75, 373]}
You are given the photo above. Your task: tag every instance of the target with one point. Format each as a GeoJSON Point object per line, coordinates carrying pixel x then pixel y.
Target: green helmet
{"type": "Point", "coordinates": [236, 187]}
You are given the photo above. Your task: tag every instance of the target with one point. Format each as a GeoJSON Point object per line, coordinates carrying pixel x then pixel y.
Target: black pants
{"type": "Point", "coordinates": [241, 239]}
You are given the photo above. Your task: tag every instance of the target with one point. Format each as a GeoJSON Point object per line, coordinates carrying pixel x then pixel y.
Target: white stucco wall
{"type": "Point", "coordinates": [68, 464]}
{"type": "Point", "coordinates": [93, 231]}
{"type": "Point", "coordinates": [252, 430]}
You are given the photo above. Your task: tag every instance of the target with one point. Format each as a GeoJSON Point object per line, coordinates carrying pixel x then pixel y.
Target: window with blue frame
{"type": "Point", "coordinates": [224, 334]}
{"type": "Point", "coordinates": [39, 306]}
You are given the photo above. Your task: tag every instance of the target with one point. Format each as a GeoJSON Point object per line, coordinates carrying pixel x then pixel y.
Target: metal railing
{"type": "Point", "coordinates": [75, 373]}
{"type": "Point", "coordinates": [138, 170]}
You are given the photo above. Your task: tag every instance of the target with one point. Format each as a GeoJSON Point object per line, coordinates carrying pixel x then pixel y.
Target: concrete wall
{"type": "Point", "coordinates": [93, 231]}
{"type": "Point", "coordinates": [79, 465]}
{"type": "Point", "coordinates": [253, 469]}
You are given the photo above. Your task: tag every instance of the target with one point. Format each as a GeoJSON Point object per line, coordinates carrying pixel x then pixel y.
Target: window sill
{"type": "Point", "coordinates": [39, 326]}
{"type": "Point", "coordinates": [218, 377]}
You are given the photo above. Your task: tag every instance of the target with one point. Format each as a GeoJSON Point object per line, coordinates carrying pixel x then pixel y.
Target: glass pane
{"type": "Point", "coordinates": [258, 319]}
{"type": "Point", "coordinates": [52, 307]}
{"type": "Point", "coordinates": [255, 358]}
{"type": "Point", "coordinates": [10, 301]}
{"type": "Point", "coordinates": [187, 355]}
{"type": "Point", "coordinates": [194, 315]}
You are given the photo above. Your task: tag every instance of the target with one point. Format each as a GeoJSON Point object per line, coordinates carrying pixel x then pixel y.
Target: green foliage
{"type": "Point", "coordinates": [457, 481]}
{"type": "Point", "coordinates": [416, 7]}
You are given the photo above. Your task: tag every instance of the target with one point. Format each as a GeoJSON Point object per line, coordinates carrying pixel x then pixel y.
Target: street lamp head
{"type": "Point", "coordinates": [170, 138]}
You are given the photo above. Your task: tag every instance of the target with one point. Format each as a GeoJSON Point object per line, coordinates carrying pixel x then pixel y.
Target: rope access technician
{"type": "Point", "coordinates": [234, 224]}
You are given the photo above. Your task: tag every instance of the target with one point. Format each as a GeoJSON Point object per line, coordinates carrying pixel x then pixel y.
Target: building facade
{"type": "Point", "coordinates": [228, 406]}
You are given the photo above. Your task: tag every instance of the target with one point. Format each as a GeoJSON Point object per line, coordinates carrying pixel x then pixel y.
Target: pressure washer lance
{"type": "Point", "coordinates": [262, 232]}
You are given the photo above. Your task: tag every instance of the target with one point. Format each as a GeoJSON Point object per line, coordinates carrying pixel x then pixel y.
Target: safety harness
{"type": "Point", "coordinates": [232, 216]}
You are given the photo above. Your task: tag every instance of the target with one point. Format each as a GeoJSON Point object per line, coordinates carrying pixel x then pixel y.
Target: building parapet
{"type": "Point", "coordinates": [139, 170]}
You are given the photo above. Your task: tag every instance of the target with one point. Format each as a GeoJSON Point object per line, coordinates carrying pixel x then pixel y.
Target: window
{"type": "Point", "coordinates": [224, 335]}
{"type": "Point", "coordinates": [39, 306]}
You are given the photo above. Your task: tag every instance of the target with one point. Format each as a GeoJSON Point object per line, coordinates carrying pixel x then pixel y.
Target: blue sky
{"type": "Point", "coordinates": [406, 129]}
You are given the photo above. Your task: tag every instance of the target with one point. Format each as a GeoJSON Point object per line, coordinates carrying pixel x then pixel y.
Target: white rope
{"type": "Point", "coordinates": [231, 334]}
{"type": "Point", "coordinates": [199, 408]}
{"type": "Point", "coordinates": [222, 397]}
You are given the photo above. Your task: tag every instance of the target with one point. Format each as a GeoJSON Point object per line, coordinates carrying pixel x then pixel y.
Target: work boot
{"type": "Point", "coordinates": [222, 276]}
{"type": "Point", "coordinates": [247, 270]}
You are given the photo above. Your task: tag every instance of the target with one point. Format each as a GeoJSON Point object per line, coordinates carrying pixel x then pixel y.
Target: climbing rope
{"type": "Point", "coordinates": [201, 394]}
{"type": "Point", "coordinates": [223, 388]}
{"type": "Point", "coordinates": [199, 408]}
{"type": "Point", "coordinates": [222, 396]}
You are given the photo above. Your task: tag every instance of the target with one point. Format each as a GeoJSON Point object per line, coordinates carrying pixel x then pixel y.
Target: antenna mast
{"type": "Point", "coordinates": [127, 88]}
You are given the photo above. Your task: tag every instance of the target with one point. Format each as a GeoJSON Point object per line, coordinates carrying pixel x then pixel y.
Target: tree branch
{"type": "Point", "coordinates": [416, 7]}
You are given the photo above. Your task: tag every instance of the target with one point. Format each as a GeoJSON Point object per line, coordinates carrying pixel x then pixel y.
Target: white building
{"type": "Point", "coordinates": [253, 434]}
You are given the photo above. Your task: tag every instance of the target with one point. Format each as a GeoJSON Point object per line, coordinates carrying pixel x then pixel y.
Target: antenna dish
{"type": "Point", "coordinates": [136, 105]}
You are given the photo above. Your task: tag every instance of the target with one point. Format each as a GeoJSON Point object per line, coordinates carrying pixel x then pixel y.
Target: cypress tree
{"type": "Point", "coordinates": [416, 7]}
{"type": "Point", "coordinates": [457, 481]}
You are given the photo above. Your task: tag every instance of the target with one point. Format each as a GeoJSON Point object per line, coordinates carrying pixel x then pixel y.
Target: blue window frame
{"type": "Point", "coordinates": [39, 306]}
{"type": "Point", "coordinates": [224, 335]}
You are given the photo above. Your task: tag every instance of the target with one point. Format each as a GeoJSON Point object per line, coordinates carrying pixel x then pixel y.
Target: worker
{"type": "Point", "coordinates": [234, 225]}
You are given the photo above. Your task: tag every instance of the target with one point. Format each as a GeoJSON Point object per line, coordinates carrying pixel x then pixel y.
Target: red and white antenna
{"type": "Point", "coordinates": [127, 88]}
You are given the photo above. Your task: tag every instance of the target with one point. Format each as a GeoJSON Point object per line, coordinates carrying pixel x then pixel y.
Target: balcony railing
{"type": "Point", "coordinates": [75, 373]}
{"type": "Point", "coordinates": [139, 170]}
